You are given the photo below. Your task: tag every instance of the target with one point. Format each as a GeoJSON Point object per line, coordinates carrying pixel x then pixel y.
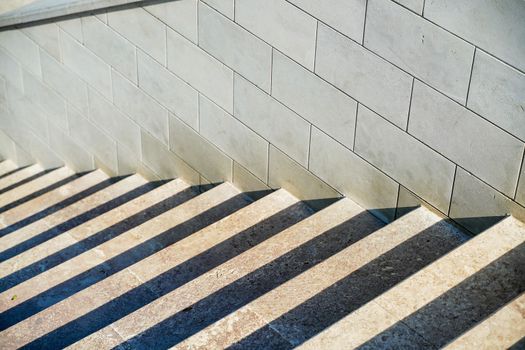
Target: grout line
{"type": "Point", "coordinates": [268, 166]}
{"type": "Point", "coordinates": [410, 102]}
{"type": "Point", "coordinates": [520, 177]}
{"type": "Point", "coordinates": [397, 200]}
{"type": "Point", "coordinates": [355, 126]}
{"type": "Point", "coordinates": [452, 191]}
{"type": "Point", "coordinates": [315, 43]}
{"type": "Point", "coordinates": [470, 77]}
{"type": "Point", "coordinates": [364, 23]}
{"type": "Point", "coordinates": [309, 148]}
{"type": "Point", "coordinates": [423, 9]}
{"type": "Point", "coordinates": [271, 70]}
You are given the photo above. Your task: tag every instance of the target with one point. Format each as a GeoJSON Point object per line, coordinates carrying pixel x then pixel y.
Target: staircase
{"type": "Point", "coordinates": [92, 262]}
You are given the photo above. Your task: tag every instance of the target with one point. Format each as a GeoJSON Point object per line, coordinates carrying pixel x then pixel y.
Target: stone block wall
{"type": "Point", "coordinates": [390, 103]}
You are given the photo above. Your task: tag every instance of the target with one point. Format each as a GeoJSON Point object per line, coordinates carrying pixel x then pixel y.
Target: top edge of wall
{"type": "Point", "coordinates": [21, 12]}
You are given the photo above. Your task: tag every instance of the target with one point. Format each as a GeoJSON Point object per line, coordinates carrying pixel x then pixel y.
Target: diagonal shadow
{"type": "Point", "coordinates": [462, 307]}
{"type": "Point", "coordinates": [13, 171]}
{"type": "Point", "coordinates": [56, 207]}
{"type": "Point", "coordinates": [38, 193]}
{"type": "Point", "coordinates": [73, 222]}
{"type": "Point", "coordinates": [177, 276]}
{"type": "Point", "coordinates": [24, 181]}
{"type": "Point", "coordinates": [90, 242]}
{"type": "Point", "coordinates": [233, 296]}
{"type": "Point", "coordinates": [519, 345]}
{"type": "Point", "coordinates": [118, 263]}
{"type": "Point", "coordinates": [359, 287]}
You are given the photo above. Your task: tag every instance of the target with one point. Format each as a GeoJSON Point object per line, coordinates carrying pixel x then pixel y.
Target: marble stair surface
{"type": "Point", "coordinates": [93, 262]}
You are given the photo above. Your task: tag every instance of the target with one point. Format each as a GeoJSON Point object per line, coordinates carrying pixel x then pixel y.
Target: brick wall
{"type": "Point", "coordinates": [389, 103]}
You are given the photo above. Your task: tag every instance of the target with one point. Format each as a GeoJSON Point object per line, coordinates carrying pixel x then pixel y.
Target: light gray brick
{"type": "Point", "coordinates": [346, 16]}
{"type": "Point", "coordinates": [180, 15]}
{"type": "Point", "coordinates": [7, 145]}
{"type": "Point", "coordinates": [114, 122]}
{"type": "Point", "coordinates": [364, 76]}
{"type": "Point", "coordinates": [352, 176]}
{"type": "Point", "coordinates": [72, 26]}
{"type": "Point", "coordinates": [419, 47]}
{"type": "Point", "coordinates": [273, 121]}
{"type": "Point", "coordinates": [169, 90]}
{"type": "Point", "coordinates": [93, 139]}
{"type": "Point", "coordinates": [236, 47]}
{"type": "Point", "coordinates": [248, 183]}
{"type": "Point", "coordinates": [164, 163]}
{"type": "Point", "coordinates": [73, 155]}
{"type": "Point", "coordinates": [226, 7]}
{"type": "Point", "coordinates": [65, 82]}
{"type": "Point", "coordinates": [22, 48]}
{"type": "Point", "coordinates": [35, 149]}
{"type": "Point", "coordinates": [497, 92]}
{"type": "Point", "coordinates": [200, 154]}
{"type": "Point", "coordinates": [140, 107]}
{"type": "Point", "coordinates": [497, 27]}
{"type": "Point", "coordinates": [282, 25]}
{"type": "Point", "coordinates": [407, 160]}
{"type": "Point", "coordinates": [285, 173]}
{"type": "Point", "coordinates": [50, 102]}
{"type": "Point", "coordinates": [234, 138]}
{"type": "Point", "coordinates": [414, 5]}
{"type": "Point", "coordinates": [315, 100]}
{"type": "Point", "coordinates": [46, 36]}
{"type": "Point", "coordinates": [26, 111]}
{"type": "Point", "coordinates": [110, 46]}
{"type": "Point", "coordinates": [200, 70]}
{"type": "Point", "coordinates": [476, 206]}
{"type": "Point", "coordinates": [3, 94]}
{"type": "Point", "coordinates": [86, 64]}
{"type": "Point", "coordinates": [10, 70]}
{"type": "Point", "coordinates": [465, 138]}
{"type": "Point", "coordinates": [147, 32]}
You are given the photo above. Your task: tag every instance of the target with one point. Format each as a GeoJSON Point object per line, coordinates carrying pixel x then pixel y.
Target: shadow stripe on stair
{"type": "Point", "coordinates": [54, 208]}
{"type": "Point", "coordinates": [75, 221]}
{"type": "Point", "coordinates": [24, 181]}
{"type": "Point", "coordinates": [19, 175]}
{"type": "Point", "coordinates": [465, 305]}
{"type": "Point", "coordinates": [67, 288]}
{"type": "Point", "coordinates": [38, 193]}
{"type": "Point", "coordinates": [10, 172]}
{"type": "Point", "coordinates": [249, 287]}
{"type": "Point", "coordinates": [358, 288]}
{"type": "Point", "coordinates": [97, 238]}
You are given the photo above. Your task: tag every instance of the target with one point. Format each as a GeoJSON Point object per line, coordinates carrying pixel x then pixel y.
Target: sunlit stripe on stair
{"type": "Point", "coordinates": [51, 198]}
{"type": "Point", "coordinates": [19, 176]}
{"type": "Point", "coordinates": [501, 330]}
{"type": "Point", "coordinates": [73, 215]}
{"type": "Point", "coordinates": [420, 289]}
{"type": "Point", "coordinates": [6, 167]}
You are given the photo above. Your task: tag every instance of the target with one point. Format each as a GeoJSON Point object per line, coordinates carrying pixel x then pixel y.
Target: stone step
{"type": "Point", "coordinates": [222, 290]}
{"type": "Point", "coordinates": [502, 330]}
{"type": "Point", "coordinates": [32, 272]}
{"type": "Point", "coordinates": [115, 255]}
{"type": "Point", "coordinates": [52, 198]}
{"type": "Point", "coordinates": [35, 188]}
{"type": "Point", "coordinates": [344, 281]}
{"type": "Point", "coordinates": [20, 175]}
{"type": "Point", "coordinates": [7, 167]}
{"type": "Point", "coordinates": [424, 301]}
{"type": "Point", "coordinates": [43, 229]}
{"type": "Point", "coordinates": [169, 268]}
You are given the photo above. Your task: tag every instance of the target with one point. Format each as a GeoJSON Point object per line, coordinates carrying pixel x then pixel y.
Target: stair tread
{"type": "Point", "coordinates": [501, 330]}
{"type": "Point", "coordinates": [53, 197]}
{"type": "Point", "coordinates": [419, 290]}
{"type": "Point", "coordinates": [290, 295]}
{"type": "Point", "coordinates": [20, 175]}
{"type": "Point", "coordinates": [6, 167]}
{"type": "Point", "coordinates": [33, 187]}
{"type": "Point", "coordinates": [143, 235]}
{"type": "Point", "coordinates": [36, 258]}
{"type": "Point", "coordinates": [74, 214]}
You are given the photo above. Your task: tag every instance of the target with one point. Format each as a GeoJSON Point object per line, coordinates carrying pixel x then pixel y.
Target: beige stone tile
{"type": "Point", "coordinates": [51, 198]}
{"type": "Point", "coordinates": [20, 175]}
{"type": "Point", "coordinates": [71, 211]}
{"type": "Point", "coordinates": [34, 186]}
{"type": "Point", "coordinates": [500, 331]}
{"type": "Point", "coordinates": [107, 338]}
{"type": "Point", "coordinates": [6, 167]}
